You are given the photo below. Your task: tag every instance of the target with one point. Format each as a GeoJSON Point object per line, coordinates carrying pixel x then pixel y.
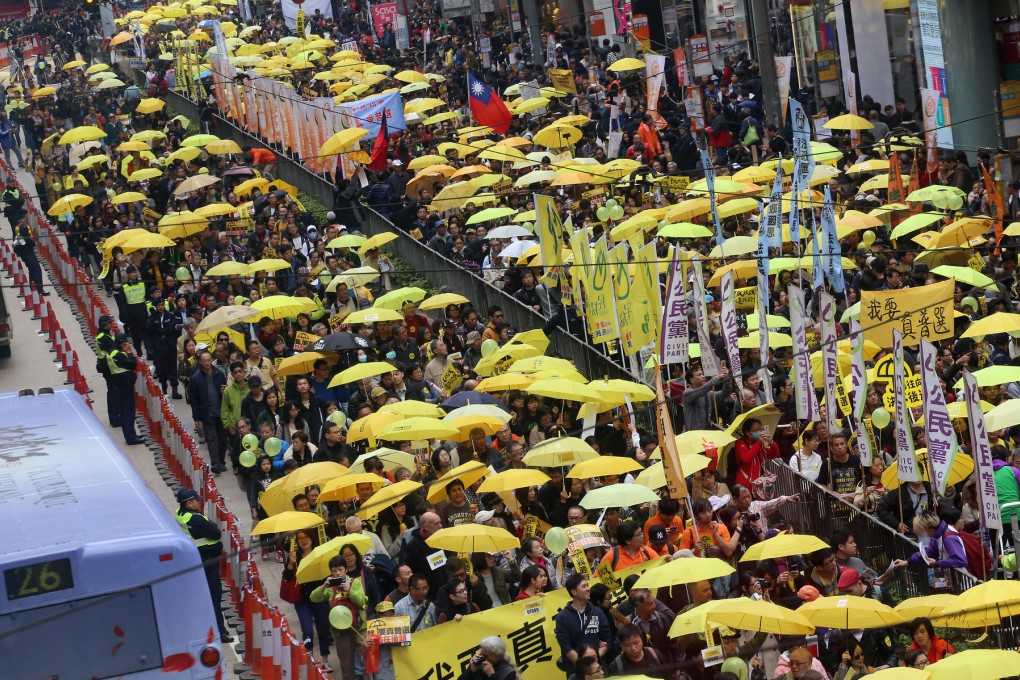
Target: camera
{"type": "Point", "coordinates": [477, 659]}
{"type": "Point", "coordinates": [750, 516]}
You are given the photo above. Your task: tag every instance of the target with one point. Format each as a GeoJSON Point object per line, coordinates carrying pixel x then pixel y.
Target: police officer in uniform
{"type": "Point", "coordinates": [105, 344]}
{"type": "Point", "coordinates": [24, 247]}
{"type": "Point", "coordinates": [122, 364]}
{"type": "Point", "coordinates": [163, 328]}
{"type": "Point", "coordinates": [206, 535]}
{"type": "Point", "coordinates": [135, 311]}
{"type": "Point", "coordinates": [14, 204]}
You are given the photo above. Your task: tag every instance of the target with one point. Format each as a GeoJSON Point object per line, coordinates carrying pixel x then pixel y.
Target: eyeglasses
{"type": "Point", "coordinates": [859, 656]}
{"type": "Point", "coordinates": [424, 587]}
{"type": "Point", "coordinates": [799, 664]}
{"type": "Point", "coordinates": [460, 591]}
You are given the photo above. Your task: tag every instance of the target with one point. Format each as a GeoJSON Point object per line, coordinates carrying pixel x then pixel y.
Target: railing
{"type": "Point", "coordinates": [820, 513]}
{"type": "Point", "coordinates": [441, 271]}
{"type": "Point", "coordinates": [268, 647]}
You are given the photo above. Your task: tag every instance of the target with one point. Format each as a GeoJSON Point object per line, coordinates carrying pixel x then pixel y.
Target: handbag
{"type": "Point", "coordinates": [763, 487]}
{"type": "Point", "coordinates": [290, 591]}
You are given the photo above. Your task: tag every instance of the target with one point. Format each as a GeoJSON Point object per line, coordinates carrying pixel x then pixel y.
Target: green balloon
{"type": "Point", "coordinates": [616, 212]}
{"type": "Point", "coordinates": [954, 201]}
{"type": "Point", "coordinates": [556, 540]}
{"type": "Point", "coordinates": [880, 418]}
{"type": "Point", "coordinates": [489, 346]}
{"type": "Point", "coordinates": [338, 418]}
{"type": "Point", "coordinates": [529, 226]}
{"type": "Point", "coordinates": [249, 442]}
{"type": "Point", "coordinates": [247, 458]}
{"type": "Point", "coordinates": [940, 200]}
{"type": "Point", "coordinates": [736, 666]}
{"type": "Point", "coordinates": [182, 274]}
{"type": "Point", "coordinates": [340, 617]}
{"type": "Point", "coordinates": [273, 446]}
{"type": "Point", "coordinates": [612, 203]}
{"type": "Point", "coordinates": [602, 213]}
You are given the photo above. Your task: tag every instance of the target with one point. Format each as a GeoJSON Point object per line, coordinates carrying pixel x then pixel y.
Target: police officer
{"type": "Point", "coordinates": [105, 344]}
{"type": "Point", "coordinates": [135, 310]}
{"type": "Point", "coordinates": [24, 247]}
{"type": "Point", "coordinates": [206, 535]}
{"type": "Point", "coordinates": [14, 204]}
{"type": "Point", "coordinates": [122, 364]}
{"type": "Point", "coordinates": [163, 328]}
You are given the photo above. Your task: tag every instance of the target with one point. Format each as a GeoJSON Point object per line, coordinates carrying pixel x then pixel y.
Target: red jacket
{"type": "Point", "coordinates": [750, 456]}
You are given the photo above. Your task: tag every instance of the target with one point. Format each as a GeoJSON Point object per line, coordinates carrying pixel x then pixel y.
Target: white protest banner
{"type": "Point", "coordinates": [981, 452]}
{"type": "Point", "coordinates": [830, 364]}
{"type": "Point", "coordinates": [674, 336]}
{"type": "Point", "coordinates": [729, 324]}
{"type": "Point", "coordinates": [906, 462]}
{"type": "Point", "coordinates": [807, 404]}
{"type": "Point", "coordinates": [709, 362]}
{"type": "Point", "coordinates": [942, 444]}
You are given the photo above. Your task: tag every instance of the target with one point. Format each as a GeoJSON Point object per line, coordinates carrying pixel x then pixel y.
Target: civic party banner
{"type": "Point", "coordinates": [830, 364]}
{"type": "Point", "coordinates": [938, 427]}
{"type": "Point", "coordinates": [709, 362]}
{"type": "Point", "coordinates": [647, 295]}
{"type": "Point", "coordinates": [860, 386]}
{"type": "Point", "coordinates": [906, 468]}
{"type": "Point", "coordinates": [600, 310]}
{"type": "Point", "coordinates": [774, 218]}
{"type": "Point", "coordinates": [925, 312]}
{"type": "Point", "coordinates": [832, 252]}
{"type": "Point", "coordinates": [674, 338]}
{"type": "Point", "coordinates": [804, 388]}
{"type": "Point", "coordinates": [624, 292]}
{"type": "Point", "coordinates": [803, 163]}
{"type": "Point", "coordinates": [729, 323]}
{"type": "Point", "coordinates": [981, 452]}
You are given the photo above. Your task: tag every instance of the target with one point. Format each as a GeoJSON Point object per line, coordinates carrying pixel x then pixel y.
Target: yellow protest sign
{"type": "Point", "coordinates": [976, 262]}
{"type": "Point", "coordinates": [624, 301]}
{"type": "Point", "coordinates": [912, 392]}
{"type": "Point", "coordinates": [884, 369]}
{"type": "Point", "coordinates": [451, 378]}
{"type": "Point", "coordinates": [527, 626]}
{"type": "Point", "coordinates": [746, 299]}
{"type": "Point", "coordinates": [675, 183]}
{"type": "Point", "coordinates": [549, 228]}
{"type": "Point", "coordinates": [337, 320]}
{"type": "Point", "coordinates": [563, 80]}
{"type": "Point", "coordinates": [648, 314]}
{"type": "Point", "coordinates": [303, 340]}
{"type": "Point", "coordinates": [600, 307]}
{"type": "Point", "coordinates": [392, 630]}
{"type": "Point", "coordinates": [925, 312]}
{"type": "Point", "coordinates": [843, 399]}
{"type": "Point", "coordinates": [533, 526]}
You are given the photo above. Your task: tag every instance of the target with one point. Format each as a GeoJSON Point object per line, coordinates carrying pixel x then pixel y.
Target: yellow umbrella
{"type": "Point", "coordinates": [410, 76]}
{"type": "Point", "coordinates": [618, 496]}
{"type": "Point", "coordinates": [283, 306]}
{"type": "Point", "coordinates": [228, 315]}
{"type": "Point", "coordinates": [977, 664]}
{"type": "Point", "coordinates": [783, 545]}
{"type": "Point", "coordinates": [442, 300]}
{"type": "Point", "coordinates": [386, 497]}
{"type": "Point", "coordinates": [768, 414]}
{"type": "Point", "coordinates": [504, 382]}
{"type": "Point", "coordinates": [287, 521]}
{"type": "Point", "coordinates": [694, 621]}
{"type": "Point", "coordinates": [131, 240]}
{"type": "Point", "coordinates": [360, 372]}
{"type": "Point", "coordinates": [465, 425]}
{"type": "Point", "coordinates": [529, 105]}
{"type": "Point", "coordinates": [144, 174]}
{"type": "Point", "coordinates": [377, 241]}
{"type": "Point", "coordinates": [760, 616]}
{"type": "Point", "coordinates": [43, 92]}
{"type": "Point", "coordinates": [369, 427]}
{"type": "Point", "coordinates": [195, 182]}
{"type": "Point", "coordinates": [471, 538]}
{"type": "Point", "coordinates": [128, 197]}
{"type": "Point", "coordinates": [134, 146]}
{"type": "Point", "coordinates": [679, 572]}
{"type": "Point", "coordinates": [277, 498]}
{"type": "Point", "coordinates": [302, 363]}
{"type": "Point", "coordinates": [121, 38]}
{"type": "Point", "coordinates": [96, 68]}
{"type": "Point", "coordinates": [345, 488]}
{"type": "Point", "coordinates": [848, 121]}
{"type": "Point", "coordinates": [557, 136]}
{"type": "Point", "coordinates": [927, 606]}
{"type": "Point", "coordinates": [559, 452]}
{"type": "Point", "coordinates": [342, 141]}
{"type": "Point", "coordinates": [849, 612]}
{"type": "Point", "coordinates": [271, 264]}
{"type": "Point", "coordinates": [230, 268]}
{"type": "Point", "coordinates": [372, 315]}
{"type": "Point", "coordinates": [1000, 322]}
{"type": "Point", "coordinates": [654, 476]}
{"type": "Point", "coordinates": [415, 429]}
{"type": "Point", "coordinates": [89, 161]}
{"type": "Point", "coordinates": [511, 479]}
{"type": "Point", "coordinates": [151, 105]}
{"type": "Point", "coordinates": [391, 459]}
{"type": "Point", "coordinates": [900, 673]}
{"type": "Point", "coordinates": [871, 165]}
{"type": "Point", "coordinates": [77, 63]}
{"type": "Point", "coordinates": [468, 473]}
{"type": "Point", "coordinates": [564, 389]}
{"type": "Point", "coordinates": [992, 599]}
{"type": "Point", "coordinates": [83, 133]}
{"type": "Point", "coordinates": [315, 567]}
{"type": "Point", "coordinates": [626, 64]}
{"type": "Point", "coordinates": [414, 409]}
{"type": "Point", "coordinates": [222, 146]}
{"type": "Point", "coordinates": [216, 210]}
{"type": "Point", "coordinates": [604, 466]}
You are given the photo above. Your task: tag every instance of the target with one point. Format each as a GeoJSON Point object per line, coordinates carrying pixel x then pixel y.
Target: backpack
{"type": "Point", "coordinates": [979, 560]}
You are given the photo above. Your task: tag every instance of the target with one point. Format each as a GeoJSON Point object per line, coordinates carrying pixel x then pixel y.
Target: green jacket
{"type": "Point", "coordinates": [230, 405]}
{"type": "Point", "coordinates": [355, 599]}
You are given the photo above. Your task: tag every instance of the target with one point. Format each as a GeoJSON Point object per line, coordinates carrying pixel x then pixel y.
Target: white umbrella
{"type": "Point", "coordinates": [509, 231]}
{"type": "Point", "coordinates": [517, 248]}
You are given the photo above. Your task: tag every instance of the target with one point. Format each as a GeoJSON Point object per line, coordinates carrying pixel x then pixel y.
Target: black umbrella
{"type": "Point", "coordinates": [472, 398]}
{"type": "Point", "coordinates": [341, 342]}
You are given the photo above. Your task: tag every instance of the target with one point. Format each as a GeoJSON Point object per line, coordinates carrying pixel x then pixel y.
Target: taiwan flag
{"type": "Point", "coordinates": [486, 106]}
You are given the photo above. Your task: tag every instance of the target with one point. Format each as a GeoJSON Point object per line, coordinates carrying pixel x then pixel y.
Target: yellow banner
{"type": "Point", "coordinates": [675, 482]}
{"type": "Point", "coordinates": [925, 312]}
{"type": "Point", "coordinates": [648, 298]}
{"type": "Point", "coordinates": [746, 299]}
{"type": "Point", "coordinates": [624, 300]}
{"type": "Point", "coordinates": [600, 308]}
{"type": "Point", "coordinates": [549, 228]}
{"type": "Point", "coordinates": [582, 258]}
{"type": "Point", "coordinates": [451, 378]}
{"type": "Point", "coordinates": [563, 80]}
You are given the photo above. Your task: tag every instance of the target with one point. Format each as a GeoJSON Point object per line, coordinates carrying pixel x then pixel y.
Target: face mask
{"type": "Point", "coordinates": [362, 359]}
{"type": "Point", "coordinates": [754, 436]}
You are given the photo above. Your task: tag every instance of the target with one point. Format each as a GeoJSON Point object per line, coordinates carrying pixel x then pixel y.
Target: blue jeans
{"type": "Point", "coordinates": [17, 152]}
{"type": "Point", "coordinates": [314, 620]}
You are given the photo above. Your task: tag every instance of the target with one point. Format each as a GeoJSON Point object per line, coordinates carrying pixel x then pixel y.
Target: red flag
{"type": "Point", "coordinates": [381, 149]}
{"type": "Point", "coordinates": [896, 194]}
{"type": "Point", "coordinates": [486, 106]}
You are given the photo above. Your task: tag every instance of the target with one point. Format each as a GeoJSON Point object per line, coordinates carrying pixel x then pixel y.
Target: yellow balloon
{"type": "Point", "coordinates": [340, 617]}
{"type": "Point", "coordinates": [868, 238]}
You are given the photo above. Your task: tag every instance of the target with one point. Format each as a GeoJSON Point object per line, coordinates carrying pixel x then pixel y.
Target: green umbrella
{"type": "Point", "coordinates": [915, 222]}
{"type": "Point", "coordinates": [965, 275]}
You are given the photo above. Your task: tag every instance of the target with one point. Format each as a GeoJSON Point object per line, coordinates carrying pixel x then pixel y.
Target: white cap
{"type": "Point", "coordinates": [397, 163]}
{"type": "Point", "coordinates": [484, 516]}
